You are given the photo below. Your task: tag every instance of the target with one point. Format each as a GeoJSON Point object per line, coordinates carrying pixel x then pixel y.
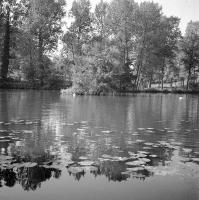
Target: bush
{"type": "Point", "coordinates": [194, 86]}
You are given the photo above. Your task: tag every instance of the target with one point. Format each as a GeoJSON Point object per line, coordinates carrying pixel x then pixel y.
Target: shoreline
{"type": "Point", "coordinates": [69, 90]}
{"type": "Point", "coordinates": [130, 93]}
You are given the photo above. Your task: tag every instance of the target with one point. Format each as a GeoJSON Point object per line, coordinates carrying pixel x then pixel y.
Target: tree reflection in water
{"type": "Point", "coordinates": [30, 178]}
{"type": "Point", "coordinates": [113, 171]}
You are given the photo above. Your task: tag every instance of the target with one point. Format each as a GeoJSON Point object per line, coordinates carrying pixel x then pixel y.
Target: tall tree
{"type": "Point", "coordinates": [82, 23]}
{"type": "Point", "coordinates": [100, 22]}
{"type": "Point", "coordinates": [148, 20]}
{"type": "Point", "coordinates": [190, 49]}
{"type": "Point", "coordinates": [46, 27]}
{"type": "Point", "coordinates": [121, 21]}
{"type": "Point", "coordinates": [166, 46]}
{"type": "Point", "coordinates": [13, 10]}
{"type": "Point", "coordinates": [6, 46]}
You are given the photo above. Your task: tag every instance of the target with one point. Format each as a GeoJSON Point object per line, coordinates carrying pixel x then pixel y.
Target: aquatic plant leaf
{"type": "Point", "coordinates": [86, 163]}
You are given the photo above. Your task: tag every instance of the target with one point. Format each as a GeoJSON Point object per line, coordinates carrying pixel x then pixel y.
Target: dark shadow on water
{"type": "Point", "coordinates": [29, 178]}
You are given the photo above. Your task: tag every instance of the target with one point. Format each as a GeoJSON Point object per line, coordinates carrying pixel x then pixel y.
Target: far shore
{"type": "Point", "coordinates": [68, 90]}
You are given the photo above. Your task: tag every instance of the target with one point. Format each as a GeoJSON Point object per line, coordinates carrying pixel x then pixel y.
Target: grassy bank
{"type": "Point", "coordinates": [13, 84]}
{"type": "Point", "coordinates": [71, 91]}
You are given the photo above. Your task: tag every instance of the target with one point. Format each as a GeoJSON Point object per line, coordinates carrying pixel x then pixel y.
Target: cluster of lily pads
{"type": "Point", "coordinates": [7, 135]}
{"type": "Point", "coordinates": [19, 121]}
{"type": "Point", "coordinates": [133, 160]}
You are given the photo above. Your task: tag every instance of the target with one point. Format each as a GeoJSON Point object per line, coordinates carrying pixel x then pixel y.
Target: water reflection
{"type": "Point", "coordinates": [30, 178]}
{"type": "Point", "coordinates": [43, 135]}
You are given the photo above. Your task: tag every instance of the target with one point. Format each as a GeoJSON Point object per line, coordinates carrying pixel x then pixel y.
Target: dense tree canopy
{"type": "Point", "coordinates": [190, 49]}
{"type": "Point", "coordinates": [118, 46]}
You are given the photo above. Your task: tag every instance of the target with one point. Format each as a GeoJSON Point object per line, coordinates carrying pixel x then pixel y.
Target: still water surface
{"type": "Point", "coordinates": [144, 147]}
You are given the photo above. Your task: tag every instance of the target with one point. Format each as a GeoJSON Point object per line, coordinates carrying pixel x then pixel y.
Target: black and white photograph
{"type": "Point", "coordinates": [99, 99]}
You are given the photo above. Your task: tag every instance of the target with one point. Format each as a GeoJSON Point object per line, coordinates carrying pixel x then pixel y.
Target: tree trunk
{"type": "Point", "coordinates": [188, 78]}
{"type": "Point", "coordinates": [79, 48]}
{"type": "Point", "coordinates": [73, 53]}
{"type": "Point", "coordinates": [171, 83]}
{"type": "Point", "coordinates": [1, 13]}
{"type": "Point", "coordinates": [126, 46]}
{"type": "Point", "coordinates": [140, 58]}
{"type": "Point", "coordinates": [6, 48]}
{"type": "Point", "coordinates": [162, 81]}
{"type": "Point", "coordinates": [40, 59]}
{"type": "Point", "coordinates": [150, 81]}
{"type": "Point", "coordinates": [32, 74]}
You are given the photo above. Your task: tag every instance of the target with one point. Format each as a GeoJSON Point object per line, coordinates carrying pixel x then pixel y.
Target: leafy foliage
{"type": "Point", "coordinates": [118, 46]}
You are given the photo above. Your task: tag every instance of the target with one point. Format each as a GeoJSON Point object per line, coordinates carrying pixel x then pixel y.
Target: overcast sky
{"type": "Point", "coordinates": [186, 10]}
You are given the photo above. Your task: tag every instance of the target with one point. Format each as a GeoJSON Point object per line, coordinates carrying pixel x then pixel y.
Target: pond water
{"type": "Point", "coordinates": [143, 147]}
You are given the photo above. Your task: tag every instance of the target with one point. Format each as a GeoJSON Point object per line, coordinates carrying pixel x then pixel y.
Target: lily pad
{"type": "Point", "coordinates": [176, 143]}
{"type": "Point", "coordinates": [140, 141]}
{"type": "Point", "coordinates": [104, 159]}
{"type": "Point", "coordinates": [141, 155]}
{"type": "Point", "coordinates": [195, 159]}
{"type": "Point", "coordinates": [132, 153]}
{"type": "Point", "coordinates": [143, 152]}
{"type": "Point", "coordinates": [90, 169]}
{"type": "Point", "coordinates": [107, 131]}
{"type": "Point", "coordinates": [150, 128]}
{"type": "Point", "coordinates": [141, 129]}
{"type": "Point", "coordinates": [27, 131]}
{"type": "Point", "coordinates": [84, 122]}
{"type": "Point", "coordinates": [29, 123]}
{"type": "Point", "coordinates": [147, 148]}
{"type": "Point", "coordinates": [86, 163]}
{"type": "Point", "coordinates": [83, 158]}
{"type": "Point", "coordinates": [4, 140]}
{"type": "Point", "coordinates": [117, 158]}
{"type": "Point", "coordinates": [75, 170]}
{"type": "Point", "coordinates": [135, 133]}
{"type": "Point", "coordinates": [30, 164]}
{"type": "Point", "coordinates": [126, 173]}
{"type": "Point", "coordinates": [106, 156]}
{"type": "Point", "coordinates": [148, 143]}
{"type": "Point", "coordinates": [68, 163]}
{"type": "Point", "coordinates": [136, 163]}
{"type": "Point", "coordinates": [27, 165]}
{"type": "Point", "coordinates": [134, 169]}
{"type": "Point", "coordinates": [153, 156]}
{"type": "Point", "coordinates": [144, 160]}
{"type": "Point", "coordinates": [186, 150]}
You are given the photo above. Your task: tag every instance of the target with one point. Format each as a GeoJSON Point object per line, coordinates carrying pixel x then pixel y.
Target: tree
{"type": "Point", "coordinates": [6, 46]}
{"type": "Point", "coordinates": [13, 13]}
{"type": "Point", "coordinates": [122, 25]}
{"type": "Point", "coordinates": [100, 23]}
{"type": "Point", "coordinates": [166, 46]}
{"type": "Point", "coordinates": [46, 27]}
{"type": "Point", "coordinates": [190, 49]}
{"type": "Point", "coordinates": [82, 23]}
{"type": "Point", "coordinates": [121, 45]}
{"type": "Point", "coordinates": [148, 20]}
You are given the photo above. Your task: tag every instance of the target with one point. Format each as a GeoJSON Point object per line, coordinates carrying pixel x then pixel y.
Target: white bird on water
{"type": "Point", "coordinates": [181, 98]}
{"type": "Point", "coordinates": [74, 94]}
